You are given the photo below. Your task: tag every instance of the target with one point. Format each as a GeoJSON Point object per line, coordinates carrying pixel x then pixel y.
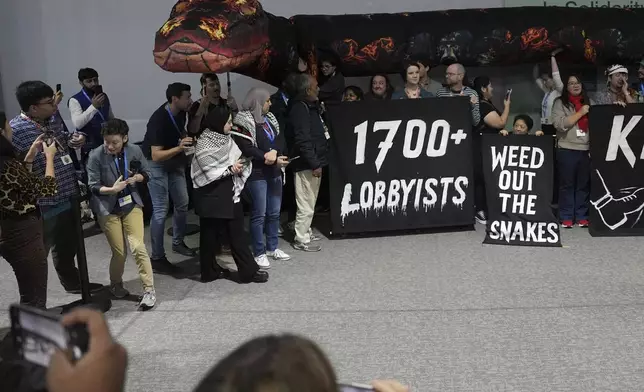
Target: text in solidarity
{"type": "Point", "coordinates": [397, 195]}
{"type": "Point", "coordinates": [517, 193]}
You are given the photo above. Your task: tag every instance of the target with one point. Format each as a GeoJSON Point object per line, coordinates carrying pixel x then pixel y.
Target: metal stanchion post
{"type": "Point", "coordinates": [101, 303]}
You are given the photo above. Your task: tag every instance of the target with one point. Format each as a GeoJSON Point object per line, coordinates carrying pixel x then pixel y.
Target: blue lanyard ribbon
{"type": "Point", "coordinates": [125, 165]}
{"type": "Point", "coordinates": [90, 102]}
{"type": "Point", "coordinates": [167, 108]}
{"type": "Point", "coordinates": [285, 98]}
{"type": "Point", "coordinates": [544, 104]}
{"type": "Point", "coordinates": [271, 134]}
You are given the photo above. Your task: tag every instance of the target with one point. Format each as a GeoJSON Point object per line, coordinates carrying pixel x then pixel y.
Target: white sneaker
{"type": "Point", "coordinates": [278, 255]}
{"type": "Point", "coordinates": [149, 300]}
{"type": "Point", "coordinates": [262, 262]}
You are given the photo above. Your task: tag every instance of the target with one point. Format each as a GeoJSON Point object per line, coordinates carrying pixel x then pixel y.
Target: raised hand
{"type": "Point", "coordinates": [98, 100]}
{"type": "Point", "coordinates": [101, 369]}
{"type": "Point", "coordinates": [49, 149]}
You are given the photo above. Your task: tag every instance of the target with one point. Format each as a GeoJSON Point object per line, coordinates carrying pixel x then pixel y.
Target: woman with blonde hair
{"type": "Point", "coordinates": [258, 135]}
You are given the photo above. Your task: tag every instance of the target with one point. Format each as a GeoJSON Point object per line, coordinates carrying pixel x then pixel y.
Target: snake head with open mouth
{"type": "Point", "coordinates": [212, 36]}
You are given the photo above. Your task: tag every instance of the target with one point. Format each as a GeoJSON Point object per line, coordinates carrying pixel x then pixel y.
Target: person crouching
{"type": "Point", "coordinates": [113, 170]}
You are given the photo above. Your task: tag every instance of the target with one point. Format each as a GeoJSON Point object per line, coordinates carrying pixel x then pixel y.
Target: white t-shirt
{"type": "Point", "coordinates": [549, 97]}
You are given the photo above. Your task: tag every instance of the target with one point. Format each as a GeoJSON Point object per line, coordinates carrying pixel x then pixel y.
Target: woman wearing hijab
{"type": "Point", "coordinates": [258, 135]}
{"type": "Point", "coordinates": [218, 176]}
{"type": "Point", "coordinates": [21, 229]}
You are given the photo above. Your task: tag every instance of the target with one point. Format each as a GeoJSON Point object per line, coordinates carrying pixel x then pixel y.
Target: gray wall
{"type": "Point", "coordinates": [51, 39]}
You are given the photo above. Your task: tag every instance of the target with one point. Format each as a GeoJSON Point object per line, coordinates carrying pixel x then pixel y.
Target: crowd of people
{"type": "Point", "coordinates": [564, 115]}
{"type": "Point", "coordinates": [266, 156]}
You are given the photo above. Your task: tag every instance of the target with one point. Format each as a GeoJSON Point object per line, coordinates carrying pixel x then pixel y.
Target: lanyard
{"type": "Point", "coordinates": [90, 102]}
{"type": "Point", "coordinates": [270, 133]}
{"type": "Point", "coordinates": [285, 98]}
{"type": "Point", "coordinates": [544, 104]}
{"type": "Point", "coordinates": [642, 88]}
{"type": "Point", "coordinates": [125, 165]}
{"type": "Point", "coordinates": [167, 108]}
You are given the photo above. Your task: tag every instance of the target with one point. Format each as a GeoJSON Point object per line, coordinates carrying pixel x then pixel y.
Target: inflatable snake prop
{"type": "Point", "coordinates": [239, 36]}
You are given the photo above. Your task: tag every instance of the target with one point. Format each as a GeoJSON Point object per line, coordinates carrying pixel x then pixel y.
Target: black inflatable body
{"type": "Point", "coordinates": [239, 36]}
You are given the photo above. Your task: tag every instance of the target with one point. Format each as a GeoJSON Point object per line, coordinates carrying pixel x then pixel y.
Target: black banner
{"type": "Point", "coordinates": [402, 164]}
{"type": "Point", "coordinates": [518, 172]}
{"type": "Point", "coordinates": [617, 175]}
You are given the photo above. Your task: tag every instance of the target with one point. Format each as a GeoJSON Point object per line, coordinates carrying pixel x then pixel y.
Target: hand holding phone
{"type": "Point", "coordinates": [59, 87]}
{"type": "Point", "coordinates": [106, 360]}
{"type": "Point", "coordinates": [508, 94]}
{"type": "Point", "coordinates": [38, 334]}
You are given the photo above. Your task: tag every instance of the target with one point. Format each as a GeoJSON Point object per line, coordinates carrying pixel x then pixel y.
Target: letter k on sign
{"type": "Point", "coordinates": [618, 136]}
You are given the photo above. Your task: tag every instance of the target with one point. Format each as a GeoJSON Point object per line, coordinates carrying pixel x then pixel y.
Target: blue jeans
{"type": "Point", "coordinates": [574, 184]}
{"type": "Point", "coordinates": [266, 198]}
{"type": "Point", "coordinates": [162, 183]}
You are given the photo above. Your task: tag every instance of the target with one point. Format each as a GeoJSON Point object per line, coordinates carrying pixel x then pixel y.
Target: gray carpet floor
{"type": "Point", "coordinates": [440, 312]}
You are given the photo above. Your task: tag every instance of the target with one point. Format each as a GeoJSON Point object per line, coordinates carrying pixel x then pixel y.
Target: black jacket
{"type": "Point", "coordinates": [215, 200]}
{"type": "Point", "coordinates": [244, 121]}
{"type": "Point", "coordinates": [305, 136]}
{"type": "Point", "coordinates": [279, 108]}
{"type": "Point", "coordinates": [332, 88]}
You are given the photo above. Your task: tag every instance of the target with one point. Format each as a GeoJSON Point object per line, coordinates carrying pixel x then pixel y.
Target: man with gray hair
{"type": "Point", "coordinates": [307, 137]}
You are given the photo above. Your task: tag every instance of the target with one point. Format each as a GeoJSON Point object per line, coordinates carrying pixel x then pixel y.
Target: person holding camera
{"type": "Point", "coordinates": [38, 118]}
{"type": "Point", "coordinates": [167, 146]}
{"type": "Point", "coordinates": [114, 170]}
{"type": "Point", "coordinates": [21, 230]}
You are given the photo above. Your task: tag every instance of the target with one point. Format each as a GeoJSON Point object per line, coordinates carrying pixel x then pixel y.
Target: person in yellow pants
{"type": "Point", "coordinates": [113, 171]}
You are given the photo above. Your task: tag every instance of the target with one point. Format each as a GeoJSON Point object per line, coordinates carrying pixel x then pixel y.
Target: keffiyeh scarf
{"type": "Point", "coordinates": [214, 154]}
{"type": "Point", "coordinates": [244, 125]}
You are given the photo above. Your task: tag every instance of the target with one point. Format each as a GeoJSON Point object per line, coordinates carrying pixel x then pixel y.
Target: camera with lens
{"type": "Point", "coordinates": [49, 137]}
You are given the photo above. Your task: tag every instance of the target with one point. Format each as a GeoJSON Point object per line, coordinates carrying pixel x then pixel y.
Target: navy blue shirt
{"type": "Point", "coordinates": [267, 139]}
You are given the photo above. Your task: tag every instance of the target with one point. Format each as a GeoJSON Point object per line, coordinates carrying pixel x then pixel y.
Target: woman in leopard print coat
{"type": "Point", "coordinates": [21, 230]}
